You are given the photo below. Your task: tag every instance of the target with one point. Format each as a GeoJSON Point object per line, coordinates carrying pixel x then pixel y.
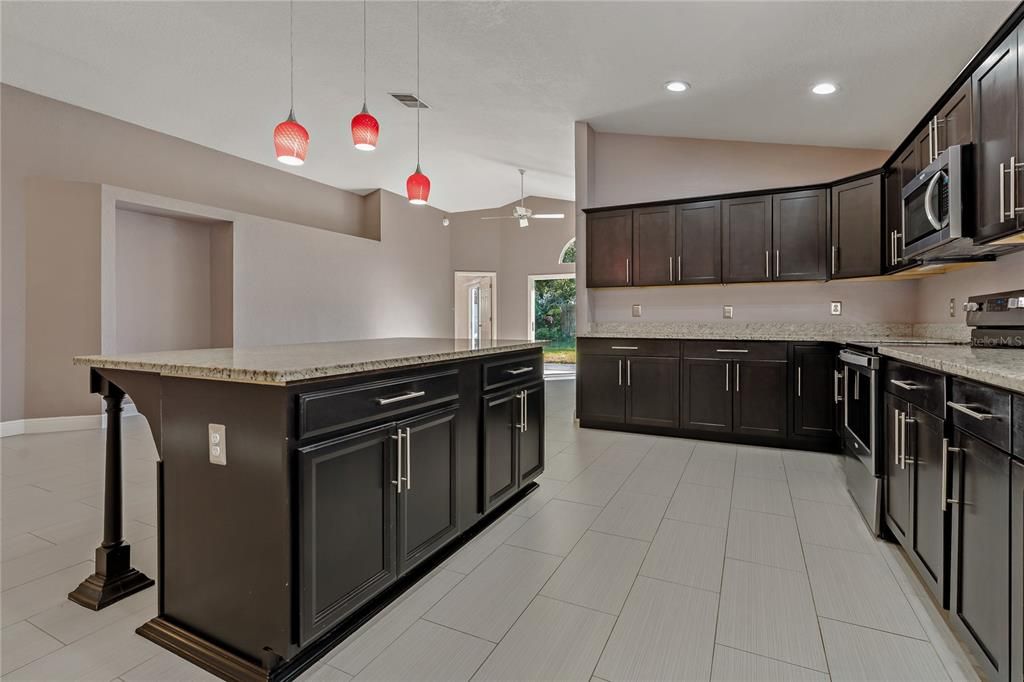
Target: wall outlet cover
{"type": "Point", "coordinates": [727, 312]}
{"type": "Point", "coordinates": [217, 437]}
{"type": "Point", "coordinates": [836, 308]}
{"type": "Point", "coordinates": [952, 307]}
{"type": "Point", "coordinates": [637, 310]}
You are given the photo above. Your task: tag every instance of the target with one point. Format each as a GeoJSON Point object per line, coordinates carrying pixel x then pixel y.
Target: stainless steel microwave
{"type": "Point", "coordinates": [938, 207]}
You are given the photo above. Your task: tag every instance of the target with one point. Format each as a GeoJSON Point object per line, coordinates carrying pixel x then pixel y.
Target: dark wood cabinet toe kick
{"type": "Point", "coordinates": [291, 513]}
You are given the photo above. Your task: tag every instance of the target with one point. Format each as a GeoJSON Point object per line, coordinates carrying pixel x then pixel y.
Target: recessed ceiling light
{"type": "Point", "coordinates": [824, 89]}
{"type": "Point", "coordinates": [677, 86]}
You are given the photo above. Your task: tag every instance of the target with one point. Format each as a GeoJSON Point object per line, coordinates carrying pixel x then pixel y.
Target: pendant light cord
{"type": "Point", "coordinates": [419, 104]}
{"type": "Point", "coordinates": [291, 50]}
{"type": "Point", "coordinates": [364, 53]}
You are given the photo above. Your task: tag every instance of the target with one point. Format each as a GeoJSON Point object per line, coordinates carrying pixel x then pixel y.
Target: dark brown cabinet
{"type": "Point", "coordinates": [707, 394]}
{"type": "Point", "coordinates": [814, 390]}
{"type": "Point", "coordinates": [857, 228]}
{"type": "Point", "coordinates": [800, 235]}
{"type": "Point", "coordinates": [343, 563]}
{"type": "Point", "coordinates": [654, 246]}
{"type": "Point", "coordinates": [954, 123]}
{"type": "Point", "coordinates": [897, 477]}
{"type": "Point", "coordinates": [1017, 568]}
{"type": "Point", "coordinates": [980, 560]}
{"type": "Point", "coordinates": [996, 99]}
{"type": "Point", "coordinates": [652, 391]}
{"type": "Point", "coordinates": [513, 441]}
{"type": "Point", "coordinates": [699, 243]}
{"type": "Point", "coordinates": [747, 239]}
{"type": "Point", "coordinates": [609, 249]}
{"type": "Point", "coordinates": [929, 542]}
{"type": "Point", "coordinates": [427, 513]}
{"type": "Point", "coordinates": [602, 391]}
{"type": "Point", "coordinates": [759, 397]}
{"type": "Point", "coordinates": [893, 247]}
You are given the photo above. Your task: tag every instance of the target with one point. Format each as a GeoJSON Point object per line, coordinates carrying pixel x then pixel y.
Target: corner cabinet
{"type": "Point", "coordinates": [800, 235]}
{"type": "Point", "coordinates": [856, 228]}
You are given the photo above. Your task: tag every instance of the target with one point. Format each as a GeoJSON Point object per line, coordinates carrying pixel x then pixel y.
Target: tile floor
{"type": "Point", "coordinates": [638, 558]}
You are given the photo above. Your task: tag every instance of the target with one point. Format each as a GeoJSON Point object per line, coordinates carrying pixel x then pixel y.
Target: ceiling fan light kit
{"type": "Point", "coordinates": [520, 213]}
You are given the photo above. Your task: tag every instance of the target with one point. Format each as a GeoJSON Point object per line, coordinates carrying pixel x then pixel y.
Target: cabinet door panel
{"type": "Point", "coordinates": [746, 239]}
{"type": "Point", "coordinates": [1017, 569]}
{"type": "Point", "coordinates": [654, 245]}
{"type": "Point", "coordinates": [427, 504]}
{"type": "Point", "coordinates": [857, 228]}
{"type": "Point", "coordinates": [980, 602]}
{"type": "Point", "coordinates": [954, 122]}
{"type": "Point", "coordinates": [499, 472]}
{"type": "Point", "coordinates": [344, 563]}
{"type": "Point", "coordinates": [995, 121]}
{"type": "Point", "coordinates": [602, 388]}
{"type": "Point", "coordinates": [924, 147]}
{"type": "Point", "coordinates": [897, 477]}
{"type": "Point", "coordinates": [707, 395]}
{"type": "Point", "coordinates": [909, 165]}
{"type": "Point", "coordinates": [759, 397]}
{"type": "Point", "coordinates": [814, 408]}
{"type": "Point", "coordinates": [609, 248]}
{"type": "Point", "coordinates": [930, 539]}
{"type": "Point", "coordinates": [531, 441]}
{"type": "Point", "coordinates": [893, 218]}
{"type": "Point", "coordinates": [699, 243]}
{"type": "Point", "coordinates": [800, 235]}
{"type": "Point", "coordinates": [653, 390]}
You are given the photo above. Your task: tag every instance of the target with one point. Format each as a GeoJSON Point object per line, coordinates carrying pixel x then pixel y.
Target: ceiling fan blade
{"type": "Point", "coordinates": [496, 217]}
{"type": "Point", "coordinates": [548, 215]}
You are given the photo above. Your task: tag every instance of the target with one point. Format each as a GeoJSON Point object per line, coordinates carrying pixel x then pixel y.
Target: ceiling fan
{"type": "Point", "coordinates": [520, 212]}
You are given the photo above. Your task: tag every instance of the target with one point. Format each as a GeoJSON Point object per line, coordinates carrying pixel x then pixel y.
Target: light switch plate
{"type": "Point", "coordinates": [727, 312]}
{"type": "Point", "coordinates": [836, 308]}
{"type": "Point", "coordinates": [217, 439]}
{"type": "Point", "coordinates": [637, 310]}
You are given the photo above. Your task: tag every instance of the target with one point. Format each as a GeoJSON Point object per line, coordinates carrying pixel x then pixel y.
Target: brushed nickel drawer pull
{"type": "Point", "coordinates": [408, 458]}
{"type": "Point", "coordinates": [625, 348]}
{"type": "Point", "coordinates": [799, 381]}
{"type": "Point", "coordinates": [731, 350]}
{"type": "Point", "coordinates": [400, 436]}
{"type": "Point", "coordinates": [519, 370]}
{"type": "Point", "coordinates": [399, 398]}
{"type": "Point", "coordinates": [905, 385]}
{"type": "Point", "coordinates": [960, 407]}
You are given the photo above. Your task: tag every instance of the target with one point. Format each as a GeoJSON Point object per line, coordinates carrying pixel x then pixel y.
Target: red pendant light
{"type": "Point", "coordinates": [417, 186]}
{"type": "Point", "coordinates": [291, 139]}
{"type": "Point", "coordinates": [365, 128]}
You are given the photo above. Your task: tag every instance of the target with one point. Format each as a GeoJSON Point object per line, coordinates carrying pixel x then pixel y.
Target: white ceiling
{"type": "Point", "coordinates": [505, 80]}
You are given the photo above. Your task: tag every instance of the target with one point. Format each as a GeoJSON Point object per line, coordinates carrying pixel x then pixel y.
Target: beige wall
{"type": "Point", "coordinates": [933, 294]}
{"type": "Point", "coordinates": [514, 253]}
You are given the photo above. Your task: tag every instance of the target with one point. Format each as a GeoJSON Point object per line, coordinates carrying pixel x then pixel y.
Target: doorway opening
{"type": "Point", "coordinates": [476, 307]}
{"type": "Point", "coordinates": [553, 319]}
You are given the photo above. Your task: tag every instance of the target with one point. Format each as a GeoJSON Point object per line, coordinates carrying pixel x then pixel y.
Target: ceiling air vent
{"type": "Point", "coordinates": [409, 100]}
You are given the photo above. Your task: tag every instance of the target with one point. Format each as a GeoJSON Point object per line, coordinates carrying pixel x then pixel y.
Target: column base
{"type": "Point", "coordinates": [113, 580]}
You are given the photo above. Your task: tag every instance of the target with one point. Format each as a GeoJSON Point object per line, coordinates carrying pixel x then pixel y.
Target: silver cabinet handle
{"type": "Point", "coordinates": [624, 347]}
{"type": "Point", "coordinates": [907, 421]}
{"type": "Point", "coordinates": [933, 143]}
{"type": "Point", "coordinates": [727, 377]}
{"type": "Point", "coordinates": [521, 397]}
{"type": "Point", "coordinates": [526, 413]}
{"type": "Point", "coordinates": [1013, 188]}
{"type": "Point", "coordinates": [737, 377]}
{"type": "Point", "coordinates": [834, 250]}
{"type": "Point", "coordinates": [767, 272]}
{"type": "Point", "coordinates": [776, 262]}
{"type": "Point", "coordinates": [896, 437]}
{"type": "Point", "coordinates": [946, 499]}
{"type": "Point", "coordinates": [905, 385]}
{"type": "Point", "coordinates": [731, 350]}
{"type": "Point", "coordinates": [670, 277]}
{"type": "Point", "coordinates": [799, 381]}
{"type": "Point", "coordinates": [960, 407]}
{"type": "Point", "coordinates": [837, 396]}
{"type": "Point", "coordinates": [519, 370]}
{"type": "Point", "coordinates": [629, 373]}
{"type": "Point", "coordinates": [679, 268]}
{"type": "Point", "coordinates": [627, 271]}
{"type": "Point", "coordinates": [400, 437]}
{"type": "Point", "coordinates": [399, 398]}
{"type": "Point", "coordinates": [892, 253]}
{"type": "Point", "coordinates": [620, 372]}
{"type": "Point", "coordinates": [1002, 191]}
{"type": "Point", "coordinates": [408, 458]}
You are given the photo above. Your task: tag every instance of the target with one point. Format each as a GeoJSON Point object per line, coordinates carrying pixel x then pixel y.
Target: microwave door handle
{"type": "Point", "coordinates": [929, 193]}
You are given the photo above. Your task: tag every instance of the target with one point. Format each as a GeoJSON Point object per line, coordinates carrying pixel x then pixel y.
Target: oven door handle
{"type": "Point", "coordinates": [851, 358]}
{"type": "Point", "coordinates": [928, 195]}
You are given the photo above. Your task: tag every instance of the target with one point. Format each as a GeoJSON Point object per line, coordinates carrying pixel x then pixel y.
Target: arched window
{"type": "Point", "coordinates": [568, 254]}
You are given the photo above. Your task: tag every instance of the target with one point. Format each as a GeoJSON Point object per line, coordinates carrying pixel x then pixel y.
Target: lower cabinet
{"type": "Point", "coordinates": [707, 395]}
{"type": "Point", "coordinates": [980, 561]}
{"type": "Point", "coordinates": [814, 390]}
{"type": "Point", "coordinates": [601, 389]}
{"type": "Point", "coordinates": [759, 397]}
{"type": "Point", "coordinates": [897, 476]}
{"type": "Point", "coordinates": [927, 460]}
{"type": "Point", "coordinates": [629, 390]}
{"type": "Point", "coordinates": [513, 442]}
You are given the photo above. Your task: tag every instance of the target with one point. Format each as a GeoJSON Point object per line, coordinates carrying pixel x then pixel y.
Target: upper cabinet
{"type": "Point", "coordinates": [893, 246]}
{"type": "Point", "coordinates": [699, 243]}
{"type": "Point", "coordinates": [654, 246]}
{"type": "Point", "coordinates": [747, 239]}
{"type": "Point", "coordinates": [609, 249]}
{"type": "Point", "coordinates": [857, 228]}
{"type": "Point", "coordinates": [799, 235]}
{"type": "Point", "coordinates": [954, 122]}
{"type": "Point", "coordinates": [997, 94]}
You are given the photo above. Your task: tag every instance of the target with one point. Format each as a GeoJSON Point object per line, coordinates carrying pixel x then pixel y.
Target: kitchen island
{"type": "Point", "coordinates": [301, 488]}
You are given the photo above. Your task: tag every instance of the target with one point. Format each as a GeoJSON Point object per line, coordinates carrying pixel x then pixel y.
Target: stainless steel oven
{"type": "Point", "coordinates": [862, 465]}
{"type": "Point", "coordinates": [937, 208]}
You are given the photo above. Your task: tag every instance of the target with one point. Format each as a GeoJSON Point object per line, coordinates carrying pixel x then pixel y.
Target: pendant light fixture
{"type": "Point", "coordinates": [417, 186]}
{"type": "Point", "coordinates": [291, 140]}
{"type": "Point", "coordinates": [365, 128]}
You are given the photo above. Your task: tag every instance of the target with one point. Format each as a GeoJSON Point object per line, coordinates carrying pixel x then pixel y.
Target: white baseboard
{"type": "Point", "coordinates": [17, 427]}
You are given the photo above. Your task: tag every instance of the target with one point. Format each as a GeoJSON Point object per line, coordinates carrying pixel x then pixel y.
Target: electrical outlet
{"type": "Point", "coordinates": [727, 312]}
{"type": "Point", "coordinates": [637, 310]}
{"type": "Point", "coordinates": [836, 308]}
{"type": "Point", "coordinates": [218, 444]}
{"type": "Point", "coordinates": [952, 307]}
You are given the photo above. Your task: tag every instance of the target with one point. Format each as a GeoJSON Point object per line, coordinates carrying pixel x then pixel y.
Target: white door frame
{"type": "Point", "coordinates": [460, 333]}
{"type": "Point", "coordinates": [531, 286]}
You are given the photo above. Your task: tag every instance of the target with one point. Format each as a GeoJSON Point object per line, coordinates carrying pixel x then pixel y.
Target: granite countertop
{"type": "Point", "coordinates": [784, 331]}
{"type": "Point", "coordinates": [1003, 367]}
{"type": "Point", "coordinates": [299, 362]}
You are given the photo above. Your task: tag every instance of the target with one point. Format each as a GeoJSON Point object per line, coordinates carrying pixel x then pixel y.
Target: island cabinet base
{"type": "Point", "coordinates": [290, 513]}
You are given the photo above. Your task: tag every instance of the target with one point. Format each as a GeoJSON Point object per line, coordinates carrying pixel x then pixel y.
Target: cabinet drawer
{"type": "Point", "coordinates": [982, 411]}
{"type": "Point", "coordinates": [668, 348]}
{"type": "Point", "coordinates": [518, 370]}
{"type": "Point", "coordinates": [917, 386]}
{"type": "Point", "coordinates": [325, 411]}
{"type": "Point", "coordinates": [736, 350]}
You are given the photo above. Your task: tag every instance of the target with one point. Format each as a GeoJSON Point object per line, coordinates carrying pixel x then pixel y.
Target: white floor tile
{"type": "Point", "coordinates": [688, 554]}
{"type": "Point", "coordinates": [765, 495]}
{"type": "Point", "coordinates": [556, 527]}
{"type": "Point", "coordinates": [732, 665]}
{"type": "Point", "coordinates": [700, 504]}
{"type": "Point", "coordinates": [23, 643]}
{"type": "Point", "coordinates": [632, 515]}
{"type": "Point", "coordinates": [858, 653]}
{"type": "Point", "coordinates": [598, 573]}
{"type": "Point", "coordinates": [766, 539]}
{"type": "Point", "coordinates": [427, 651]}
